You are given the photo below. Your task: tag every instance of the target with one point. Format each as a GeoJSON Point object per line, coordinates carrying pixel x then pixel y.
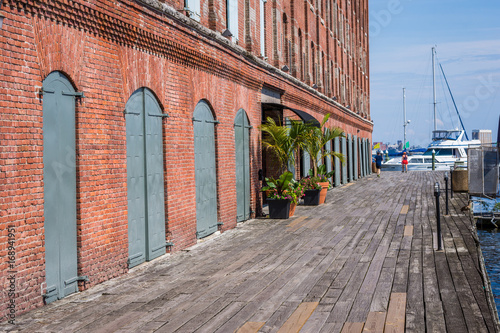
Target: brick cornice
{"type": "Point", "coordinates": [108, 25]}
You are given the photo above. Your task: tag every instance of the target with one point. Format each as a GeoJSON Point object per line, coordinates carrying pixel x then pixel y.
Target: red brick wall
{"type": "Point", "coordinates": [109, 49]}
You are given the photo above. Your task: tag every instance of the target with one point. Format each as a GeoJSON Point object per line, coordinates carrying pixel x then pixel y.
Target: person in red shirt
{"type": "Point", "coordinates": [404, 162]}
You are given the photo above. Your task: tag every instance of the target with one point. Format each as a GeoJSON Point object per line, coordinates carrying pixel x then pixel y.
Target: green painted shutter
{"type": "Point", "coordinates": [136, 182]}
{"type": "Point", "coordinates": [355, 155]}
{"type": "Point", "coordinates": [145, 181]}
{"type": "Point", "coordinates": [205, 173]}
{"type": "Point", "coordinates": [350, 158]}
{"type": "Point", "coordinates": [368, 157]}
{"type": "Point", "coordinates": [242, 152]}
{"type": "Point", "coordinates": [362, 157]}
{"type": "Point", "coordinates": [155, 202]}
{"type": "Point", "coordinates": [344, 165]}
{"type": "Point", "coordinates": [59, 174]}
{"type": "Point", "coordinates": [337, 164]}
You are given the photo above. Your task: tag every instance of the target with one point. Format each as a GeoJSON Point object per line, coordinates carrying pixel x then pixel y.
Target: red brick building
{"type": "Point", "coordinates": [129, 128]}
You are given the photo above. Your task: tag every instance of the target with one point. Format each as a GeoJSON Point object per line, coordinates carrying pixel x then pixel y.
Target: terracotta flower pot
{"type": "Point", "coordinates": [322, 194]}
{"type": "Point", "coordinates": [292, 208]}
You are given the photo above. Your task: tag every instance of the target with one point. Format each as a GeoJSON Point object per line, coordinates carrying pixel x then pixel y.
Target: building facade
{"type": "Point", "coordinates": [129, 128]}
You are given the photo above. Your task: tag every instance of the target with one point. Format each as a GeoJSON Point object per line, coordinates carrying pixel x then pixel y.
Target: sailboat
{"type": "Point", "coordinates": [449, 146]}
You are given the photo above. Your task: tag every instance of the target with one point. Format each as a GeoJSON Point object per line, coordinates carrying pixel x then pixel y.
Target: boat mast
{"type": "Point", "coordinates": [434, 84]}
{"type": "Point", "coordinates": [405, 123]}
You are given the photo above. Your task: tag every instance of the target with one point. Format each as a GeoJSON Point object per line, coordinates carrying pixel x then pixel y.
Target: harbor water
{"type": "Point", "coordinates": [490, 246]}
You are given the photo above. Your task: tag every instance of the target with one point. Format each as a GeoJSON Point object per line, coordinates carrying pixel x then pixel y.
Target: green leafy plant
{"type": "Point", "coordinates": [315, 140]}
{"type": "Point", "coordinates": [322, 173]}
{"type": "Point", "coordinates": [280, 185]}
{"type": "Point", "coordinates": [283, 141]}
{"type": "Point", "coordinates": [285, 187]}
{"type": "Point", "coordinates": [296, 190]}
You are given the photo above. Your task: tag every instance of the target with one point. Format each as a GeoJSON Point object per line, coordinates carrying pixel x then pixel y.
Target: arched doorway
{"type": "Point", "coordinates": [205, 171]}
{"type": "Point", "coordinates": [59, 176]}
{"type": "Point", "coordinates": [145, 181]}
{"type": "Point", "coordinates": [242, 152]}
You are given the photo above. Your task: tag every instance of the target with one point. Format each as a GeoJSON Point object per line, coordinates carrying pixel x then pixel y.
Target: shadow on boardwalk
{"type": "Point", "coordinates": [364, 260]}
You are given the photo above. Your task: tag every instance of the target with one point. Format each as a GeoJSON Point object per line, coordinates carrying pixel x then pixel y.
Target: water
{"type": "Point", "coordinates": [490, 246]}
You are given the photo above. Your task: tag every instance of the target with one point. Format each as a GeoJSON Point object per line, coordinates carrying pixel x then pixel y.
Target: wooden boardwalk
{"type": "Point", "coordinates": [365, 261]}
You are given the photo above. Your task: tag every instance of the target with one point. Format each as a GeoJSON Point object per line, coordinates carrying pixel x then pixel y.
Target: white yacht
{"type": "Point", "coordinates": [449, 147]}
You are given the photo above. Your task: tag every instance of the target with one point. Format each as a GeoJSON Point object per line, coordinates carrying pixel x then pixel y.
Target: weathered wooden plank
{"type": "Point", "coordinates": [250, 327]}
{"type": "Point", "coordinates": [375, 322]}
{"type": "Point", "coordinates": [434, 314]}
{"type": "Point", "coordinates": [352, 328]}
{"type": "Point", "coordinates": [380, 301]}
{"type": "Point", "coordinates": [408, 231]}
{"type": "Point", "coordinates": [297, 220]}
{"type": "Point", "coordinates": [298, 317]}
{"type": "Point", "coordinates": [453, 311]}
{"type": "Point", "coordinates": [217, 319]}
{"type": "Point", "coordinates": [395, 320]}
{"type": "Point", "coordinates": [317, 320]}
{"type": "Point", "coordinates": [404, 210]}
{"type": "Point", "coordinates": [360, 308]}
{"type": "Point", "coordinates": [415, 307]}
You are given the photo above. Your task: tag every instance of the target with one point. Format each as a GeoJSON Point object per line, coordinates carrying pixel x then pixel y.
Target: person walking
{"type": "Point", "coordinates": [378, 162]}
{"type": "Point", "coordinates": [404, 163]}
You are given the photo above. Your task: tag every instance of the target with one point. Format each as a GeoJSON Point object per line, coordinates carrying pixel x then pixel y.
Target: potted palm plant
{"type": "Point", "coordinates": [314, 141]}
{"type": "Point", "coordinates": [283, 141]}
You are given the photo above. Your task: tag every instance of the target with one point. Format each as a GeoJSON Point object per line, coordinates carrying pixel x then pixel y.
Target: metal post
{"type": "Point", "coordinates": [434, 86]}
{"type": "Point", "coordinates": [438, 215]}
{"type": "Point", "coordinates": [451, 181]}
{"type": "Point", "coordinates": [446, 187]}
{"type": "Point", "coordinates": [433, 160]}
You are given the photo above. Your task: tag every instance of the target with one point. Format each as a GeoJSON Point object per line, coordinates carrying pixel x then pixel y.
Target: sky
{"type": "Point", "coordinates": [466, 35]}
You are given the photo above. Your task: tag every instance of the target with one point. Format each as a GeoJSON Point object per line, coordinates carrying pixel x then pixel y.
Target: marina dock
{"type": "Point", "coordinates": [365, 261]}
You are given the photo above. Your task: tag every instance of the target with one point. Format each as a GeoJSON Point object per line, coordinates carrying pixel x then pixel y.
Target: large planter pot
{"type": "Point", "coordinates": [460, 180]}
{"type": "Point", "coordinates": [279, 208]}
{"type": "Point", "coordinates": [322, 194]}
{"type": "Point", "coordinates": [292, 208]}
{"type": "Point", "coordinates": [311, 197]}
